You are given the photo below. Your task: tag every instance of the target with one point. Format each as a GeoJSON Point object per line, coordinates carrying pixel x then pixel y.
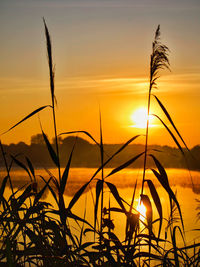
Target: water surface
{"type": "Point", "coordinates": [185, 184]}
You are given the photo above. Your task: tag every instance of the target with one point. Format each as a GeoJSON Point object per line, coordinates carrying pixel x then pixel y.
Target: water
{"type": "Point", "coordinates": [179, 179]}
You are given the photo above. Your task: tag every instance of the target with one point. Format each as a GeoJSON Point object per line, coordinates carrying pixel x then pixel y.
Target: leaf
{"type": "Point", "coordinates": [77, 195]}
{"type": "Point", "coordinates": [119, 150]}
{"type": "Point", "coordinates": [73, 216]}
{"type": "Point", "coordinates": [170, 132]}
{"type": "Point", "coordinates": [116, 209]}
{"type": "Point", "coordinates": [69, 214]}
{"type": "Point", "coordinates": [83, 225]}
{"type": "Point", "coordinates": [88, 134]}
{"type": "Point", "coordinates": [126, 144]}
{"type": "Point", "coordinates": [149, 212]}
{"type": "Point", "coordinates": [27, 117]}
{"type": "Point", "coordinates": [157, 202]}
{"type": "Point", "coordinates": [116, 241]}
{"type": "Point", "coordinates": [20, 164]}
{"type": "Point", "coordinates": [163, 179]}
{"type": "Point", "coordinates": [84, 246]}
{"type": "Point", "coordinates": [130, 217]}
{"type": "Point", "coordinates": [170, 120]}
{"type": "Point", "coordinates": [39, 195]}
{"type": "Point", "coordinates": [99, 188]}
{"type": "Point", "coordinates": [115, 193]}
{"type": "Point", "coordinates": [174, 244]}
{"type": "Point", "coordinates": [24, 196]}
{"type": "Point", "coordinates": [106, 162]}
{"type": "Point", "coordinates": [65, 173]}
{"type": "Point", "coordinates": [161, 170]}
{"type": "Point", "coordinates": [52, 153]}
{"type": "Point", "coordinates": [30, 167]}
{"type": "Point", "coordinates": [35, 239]}
{"type": "Point", "coordinates": [50, 188]}
{"type": "Point", "coordinates": [81, 190]}
{"type": "Point", "coordinates": [3, 185]}
{"type": "Point", "coordinates": [145, 255]}
{"type": "Point", "coordinates": [126, 164]}
{"type": "Point", "coordinates": [101, 142]}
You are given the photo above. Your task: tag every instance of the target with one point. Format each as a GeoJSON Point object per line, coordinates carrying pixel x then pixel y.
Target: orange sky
{"type": "Point", "coordinates": [101, 50]}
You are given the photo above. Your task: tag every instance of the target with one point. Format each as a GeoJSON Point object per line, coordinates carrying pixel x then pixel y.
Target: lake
{"type": "Point", "coordinates": [180, 181]}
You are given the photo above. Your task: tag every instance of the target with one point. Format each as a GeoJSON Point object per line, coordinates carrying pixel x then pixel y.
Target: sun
{"type": "Point", "coordinates": [139, 118]}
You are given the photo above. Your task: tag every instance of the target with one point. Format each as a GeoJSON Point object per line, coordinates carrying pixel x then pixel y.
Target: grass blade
{"type": "Point", "coordinates": [50, 188]}
{"type": "Point", "coordinates": [174, 245]}
{"type": "Point", "coordinates": [157, 202]}
{"type": "Point", "coordinates": [27, 117]}
{"type": "Point", "coordinates": [170, 132]}
{"type": "Point", "coordinates": [120, 149]}
{"type": "Point", "coordinates": [77, 195]}
{"type": "Point", "coordinates": [125, 145]}
{"type": "Point", "coordinates": [126, 164]}
{"type": "Point", "coordinates": [3, 185]}
{"type": "Point", "coordinates": [99, 188]}
{"type": "Point", "coordinates": [85, 132]}
{"type": "Point", "coordinates": [24, 196]}
{"type": "Point", "coordinates": [39, 195]}
{"type": "Point", "coordinates": [170, 120]}
{"type": "Point", "coordinates": [116, 241]}
{"type": "Point", "coordinates": [30, 167]}
{"type": "Point", "coordinates": [163, 179]}
{"type": "Point", "coordinates": [52, 153]}
{"type": "Point", "coordinates": [20, 164]}
{"type": "Point", "coordinates": [65, 173]}
{"type": "Point", "coordinates": [116, 195]}
{"type": "Point", "coordinates": [149, 212]}
{"type": "Point", "coordinates": [161, 169]}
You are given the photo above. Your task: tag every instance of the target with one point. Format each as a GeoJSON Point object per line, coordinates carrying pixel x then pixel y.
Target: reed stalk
{"type": "Point", "coordinates": [158, 60]}
{"type": "Point", "coordinates": [52, 89]}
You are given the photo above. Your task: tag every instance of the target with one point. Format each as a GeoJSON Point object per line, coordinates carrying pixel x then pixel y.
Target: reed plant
{"type": "Point", "coordinates": [33, 232]}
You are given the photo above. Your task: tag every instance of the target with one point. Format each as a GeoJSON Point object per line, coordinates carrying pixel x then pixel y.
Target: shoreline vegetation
{"type": "Point", "coordinates": [36, 233]}
{"type": "Point", "coordinates": [170, 157]}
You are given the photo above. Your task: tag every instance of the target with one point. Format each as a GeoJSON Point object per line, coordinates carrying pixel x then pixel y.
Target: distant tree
{"type": "Point", "coordinates": [37, 139]}
{"type": "Point", "coordinates": [70, 140]}
{"type": "Point", "coordinates": [21, 144]}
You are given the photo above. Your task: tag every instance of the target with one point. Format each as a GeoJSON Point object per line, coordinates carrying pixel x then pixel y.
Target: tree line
{"type": "Point", "coordinates": [87, 154]}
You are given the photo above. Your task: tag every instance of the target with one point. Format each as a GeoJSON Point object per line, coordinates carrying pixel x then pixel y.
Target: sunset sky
{"type": "Point", "coordinates": [101, 49]}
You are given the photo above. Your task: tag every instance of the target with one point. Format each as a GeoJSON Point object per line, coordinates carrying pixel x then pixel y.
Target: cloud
{"type": "Point", "coordinates": [98, 85]}
{"type": "Point", "coordinates": [103, 86]}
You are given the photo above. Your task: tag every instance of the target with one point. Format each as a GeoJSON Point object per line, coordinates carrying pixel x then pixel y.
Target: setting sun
{"type": "Point", "coordinates": [139, 118]}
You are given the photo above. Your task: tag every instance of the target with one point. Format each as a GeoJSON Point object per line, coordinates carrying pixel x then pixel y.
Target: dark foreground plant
{"type": "Point", "coordinates": [35, 232]}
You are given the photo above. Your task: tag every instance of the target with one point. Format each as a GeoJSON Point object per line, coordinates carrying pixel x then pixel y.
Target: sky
{"type": "Point", "coordinates": [101, 51]}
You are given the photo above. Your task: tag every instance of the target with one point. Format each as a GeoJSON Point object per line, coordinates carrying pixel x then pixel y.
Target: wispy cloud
{"type": "Point", "coordinates": [21, 85]}
{"type": "Point", "coordinates": [104, 85]}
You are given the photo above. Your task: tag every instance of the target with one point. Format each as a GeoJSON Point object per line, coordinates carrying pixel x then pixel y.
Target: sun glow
{"type": "Point", "coordinates": [139, 118]}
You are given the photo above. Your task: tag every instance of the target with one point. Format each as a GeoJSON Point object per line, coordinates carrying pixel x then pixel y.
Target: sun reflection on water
{"type": "Point", "coordinates": [142, 210]}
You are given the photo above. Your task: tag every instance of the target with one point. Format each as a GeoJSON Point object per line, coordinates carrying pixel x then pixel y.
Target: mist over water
{"type": "Point", "coordinates": [123, 179]}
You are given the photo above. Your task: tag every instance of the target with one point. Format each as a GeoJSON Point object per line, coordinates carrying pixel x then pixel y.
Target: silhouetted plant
{"type": "Point", "coordinates": [33, 232]}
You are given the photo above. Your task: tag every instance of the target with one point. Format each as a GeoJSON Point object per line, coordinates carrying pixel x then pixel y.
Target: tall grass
{"type": "Point", "coordinates": [33, 232]}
